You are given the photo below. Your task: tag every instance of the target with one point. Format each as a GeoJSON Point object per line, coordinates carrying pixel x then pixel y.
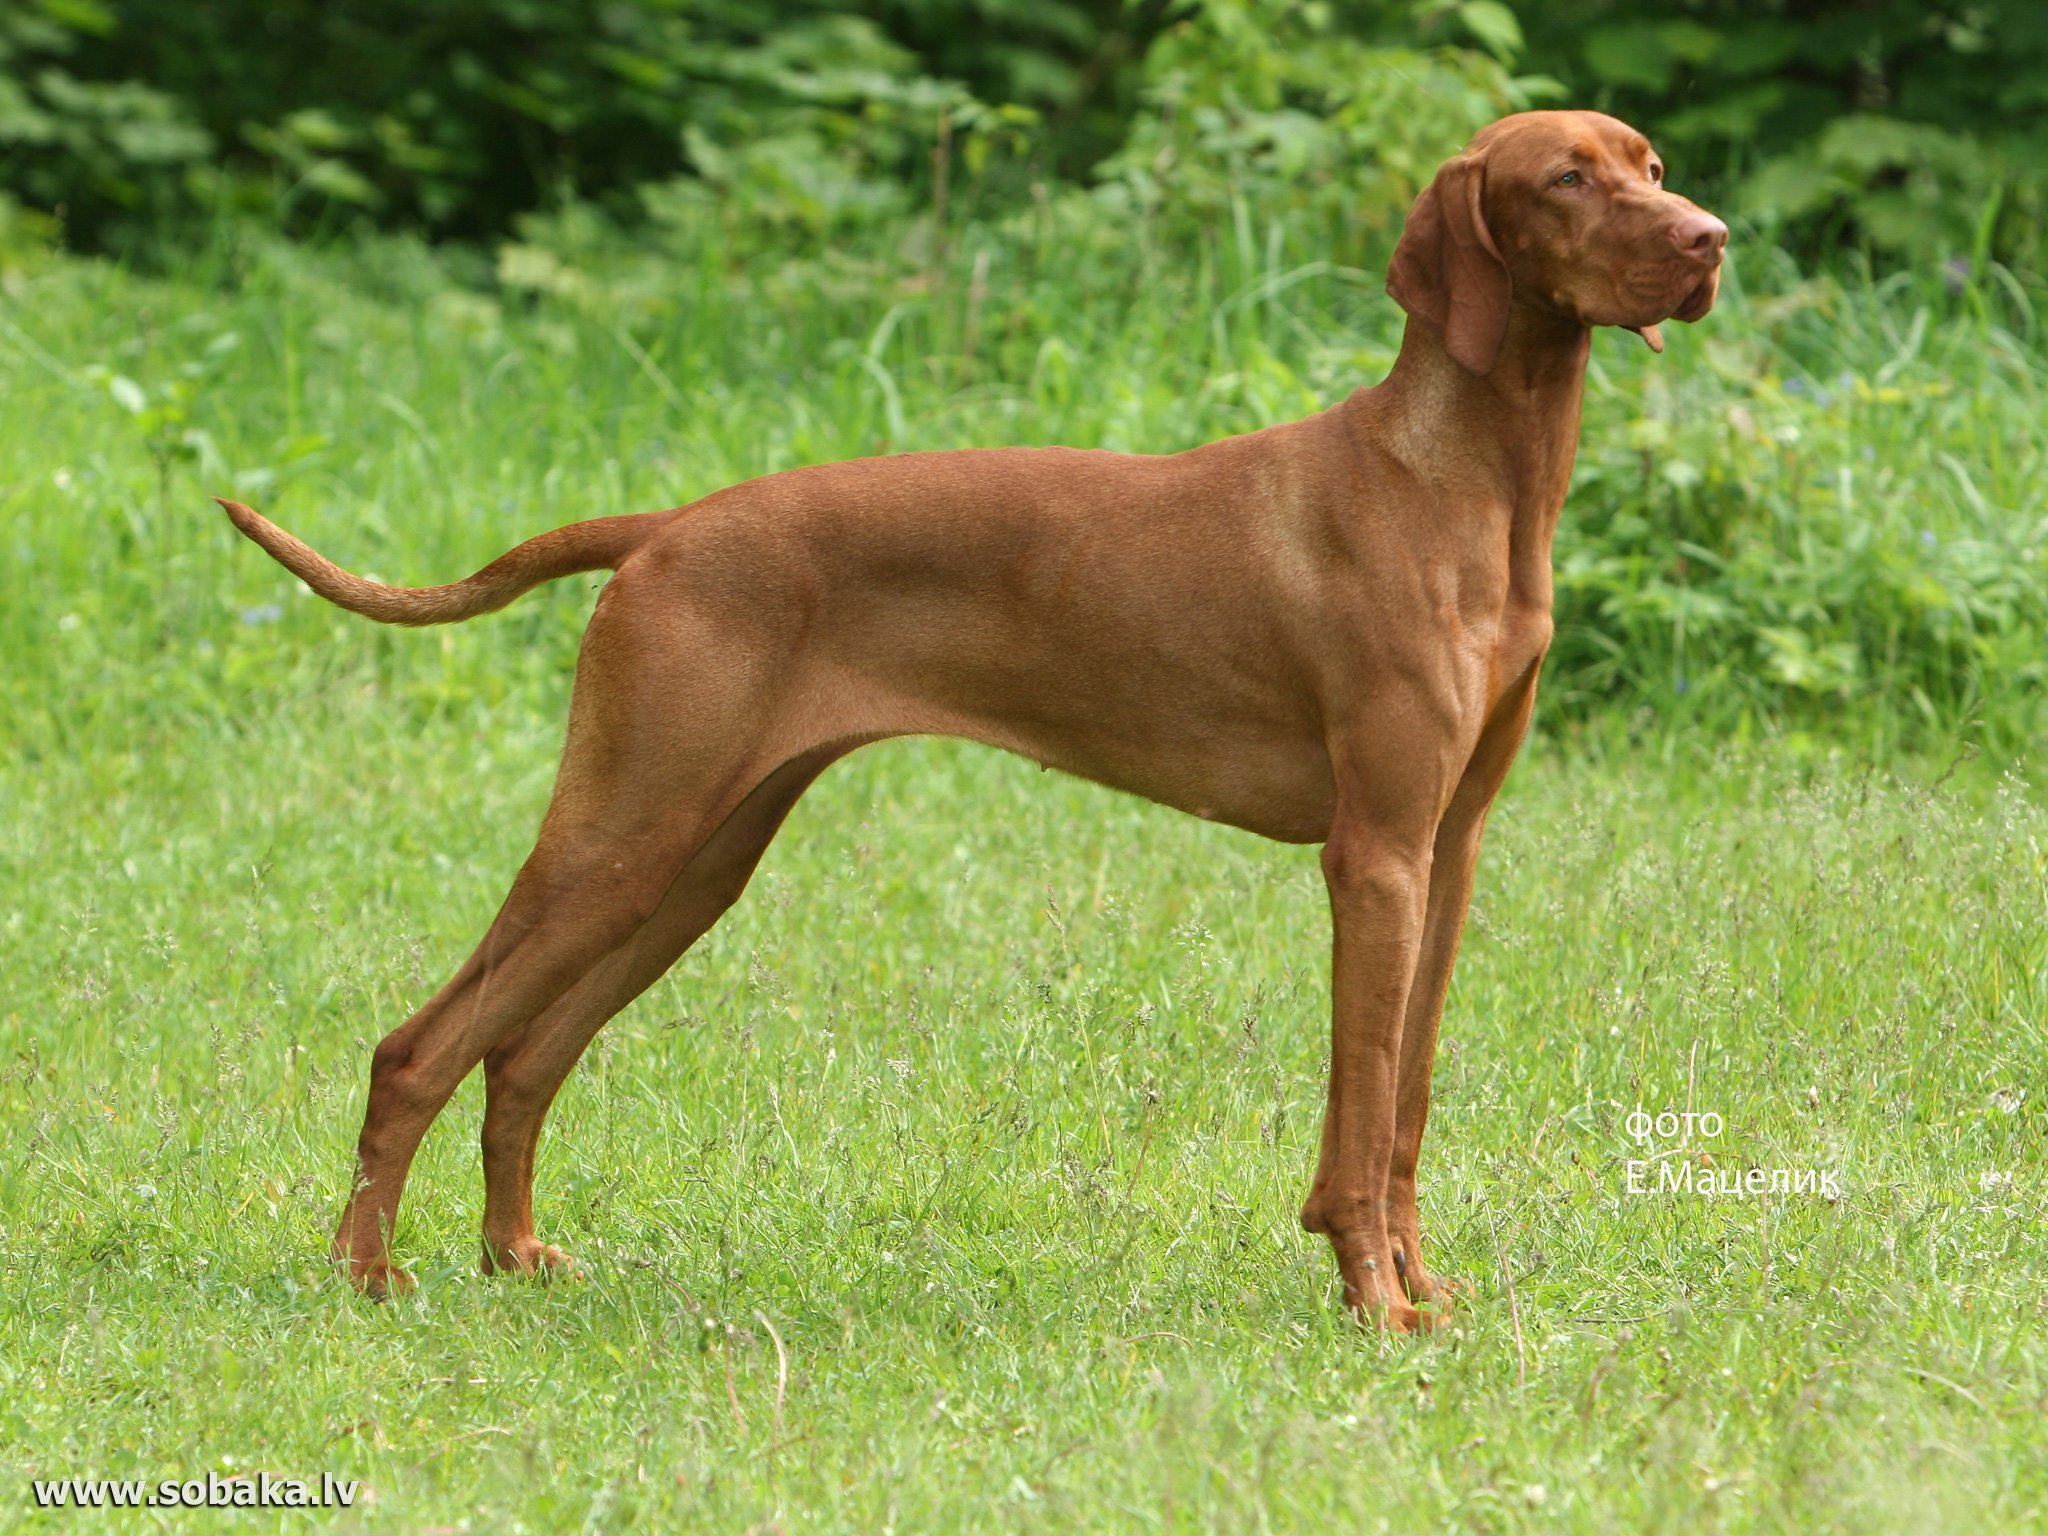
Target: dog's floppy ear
{"type": "Point", "coordinates": [1447, 269]}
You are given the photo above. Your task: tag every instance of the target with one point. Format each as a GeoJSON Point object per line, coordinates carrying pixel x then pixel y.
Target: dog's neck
{"type": "Point", "coordinates": [1509, 434]}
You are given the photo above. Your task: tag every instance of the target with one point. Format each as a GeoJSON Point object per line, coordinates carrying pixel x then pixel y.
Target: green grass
{"type": "Point", "coordinates": [994, 1102]}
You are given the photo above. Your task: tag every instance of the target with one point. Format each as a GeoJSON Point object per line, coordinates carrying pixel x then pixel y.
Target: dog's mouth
{"type": "Point", "coordinates": [1701, 299]}
{"type": "Point", "coordinates": [1696, 302]}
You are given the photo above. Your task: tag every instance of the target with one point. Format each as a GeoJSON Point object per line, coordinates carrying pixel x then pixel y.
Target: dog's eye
{"type": "Point", "coordinates": [1568, 179]}
{"type": "Point", "coordinates": [1657, 173]}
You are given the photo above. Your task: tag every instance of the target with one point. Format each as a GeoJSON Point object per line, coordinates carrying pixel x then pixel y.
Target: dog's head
{"type": "Point", "coordinates": [1563, 211]}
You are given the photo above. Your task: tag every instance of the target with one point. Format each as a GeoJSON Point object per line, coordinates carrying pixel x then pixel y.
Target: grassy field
{"type": "Point", "coordinates": [951, 1183]}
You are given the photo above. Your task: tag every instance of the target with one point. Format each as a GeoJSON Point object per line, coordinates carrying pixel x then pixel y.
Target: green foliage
{"type": "Point", "coordinates": [68, 138]}
{"type": "Point", "coordinates": [1911, 188]}
{"type": "Point", "coordinates": [1914, 131]}
{"type": "Point", "coordinates": [1292, 114]}
{"type": "Point", "coordinates": [1842, 505]}
{"type": "Point", "coordinates": [458, 118]}
{"type": "Point", "coordinates": [1077, 65]}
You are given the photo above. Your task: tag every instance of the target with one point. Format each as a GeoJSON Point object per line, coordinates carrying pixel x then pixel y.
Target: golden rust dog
{"type": "Point", "coordinates": [1326, 632]}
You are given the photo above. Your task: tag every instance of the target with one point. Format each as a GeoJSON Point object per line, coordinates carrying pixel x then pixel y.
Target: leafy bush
{"type": "Point", "coordinates": [70, 140]}
{"type": "Point", "coordinates": [1915, 130]}
{"type": "Point", "coordinates": [457, 117]}
{"type": "Point", "coordinates": [1833, 512]}
{"type": "Point", "coordinates": [1303, 118]}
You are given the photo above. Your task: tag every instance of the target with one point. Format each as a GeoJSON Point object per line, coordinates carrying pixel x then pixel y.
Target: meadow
{"type": "Point", "coordinates": [951, 1183]}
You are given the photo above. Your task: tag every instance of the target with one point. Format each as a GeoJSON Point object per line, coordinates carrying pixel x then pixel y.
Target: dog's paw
{"type": "Point", "coordinates": [380, 1279]}
{"type": "Point", "coordinates": [1393, 1317]}
{"type": "Point", "coordinates": [1425, 1288]}
{"type": "Point", "coordinates": [527, 1256]}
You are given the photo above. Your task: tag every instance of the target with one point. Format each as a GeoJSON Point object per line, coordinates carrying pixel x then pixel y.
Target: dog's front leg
{"type": "Point", "coordinates": [1450, 894]}
{"type": "Point", "coordinates": [1377, 870]}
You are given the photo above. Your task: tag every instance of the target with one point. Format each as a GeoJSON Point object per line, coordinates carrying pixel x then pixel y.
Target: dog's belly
{"type": "Point", "coordinates": [1276, 783]}
{"type": "Point", "coordinates": [1281, 790]}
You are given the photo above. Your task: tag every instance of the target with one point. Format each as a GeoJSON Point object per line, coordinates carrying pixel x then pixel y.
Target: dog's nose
{"type": "Point", "coordinates": [1700, 236]}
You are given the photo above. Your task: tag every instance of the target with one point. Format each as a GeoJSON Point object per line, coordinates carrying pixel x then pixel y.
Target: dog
{"type": "Point", "coordinates": [1325, 632]}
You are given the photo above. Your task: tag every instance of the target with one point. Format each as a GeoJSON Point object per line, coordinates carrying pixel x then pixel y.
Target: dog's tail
{"type": "Point", "coordinates": [598, 545]}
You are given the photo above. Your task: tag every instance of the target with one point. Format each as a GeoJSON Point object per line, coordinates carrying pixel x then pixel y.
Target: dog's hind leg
{"type": "Point", "coordinates": [566, 912]}
{"type": "Point", "coordinates": [523, 1072]}
{"type": "Point", "coordinates": [665, 742]}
